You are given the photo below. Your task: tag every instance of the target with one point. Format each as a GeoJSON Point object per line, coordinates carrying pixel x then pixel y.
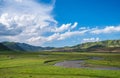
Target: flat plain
{"type": "Point", "coordinates": [41, 65]}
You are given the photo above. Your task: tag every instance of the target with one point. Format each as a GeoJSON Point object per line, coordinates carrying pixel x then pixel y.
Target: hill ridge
{"type": "Point", "coordinates": [101, 46]}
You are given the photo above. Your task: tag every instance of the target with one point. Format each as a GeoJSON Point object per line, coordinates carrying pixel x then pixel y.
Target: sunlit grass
{"type": "Point", "coordinates": [32, 65]}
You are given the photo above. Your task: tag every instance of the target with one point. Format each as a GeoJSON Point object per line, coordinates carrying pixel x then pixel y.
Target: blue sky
{"type": "Point", "coordinates": [88, 12]}
{"type": "Point", "coordinates": [59, 23]}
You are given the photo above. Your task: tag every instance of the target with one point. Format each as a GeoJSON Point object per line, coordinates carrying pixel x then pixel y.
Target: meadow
{"type": "Point", "coordinates": [41, 65]}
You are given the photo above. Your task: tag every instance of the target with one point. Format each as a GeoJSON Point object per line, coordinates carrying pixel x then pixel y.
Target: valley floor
{"type": "Point", "coordinates": [42, 65]}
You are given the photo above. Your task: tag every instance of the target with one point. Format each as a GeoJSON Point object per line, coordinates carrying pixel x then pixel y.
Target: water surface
{"type": "Point", "coordinates": [80, 64]}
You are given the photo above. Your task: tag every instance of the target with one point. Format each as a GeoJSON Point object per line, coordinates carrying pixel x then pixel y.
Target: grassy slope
{"type": "Point", "coordinates": [31, 65]}
{"type": "Point", "coordinates": [101, 46]}
{"type": "Point", "coordinates": [4, 48]}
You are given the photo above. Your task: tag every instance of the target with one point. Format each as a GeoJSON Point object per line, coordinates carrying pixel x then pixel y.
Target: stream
{"type": "Point", "coordinates": [79, 64]}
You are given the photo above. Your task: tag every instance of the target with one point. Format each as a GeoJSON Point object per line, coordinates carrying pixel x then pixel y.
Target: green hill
{"type": "Point", "coordinates": [107, 43]}
{"type": "Point", "coordinates": [15, 46]}
{"type": "Point", "coordinates": [4, 48]}
{"type": "Point", "coordinates": [101, 46]}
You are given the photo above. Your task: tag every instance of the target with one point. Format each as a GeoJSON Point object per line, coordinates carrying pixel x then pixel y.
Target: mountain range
{"type": "Point", "coordinates": [101, 46]}
{"type": "Point", "coordinates": [15, 46]}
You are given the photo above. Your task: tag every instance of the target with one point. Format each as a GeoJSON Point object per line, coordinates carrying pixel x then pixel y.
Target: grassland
{"type": "Point", "coordinates": [40, 65]}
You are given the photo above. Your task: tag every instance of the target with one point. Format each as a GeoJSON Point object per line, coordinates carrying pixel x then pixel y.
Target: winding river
{"type": "Point", "coordinates": [79, 64]}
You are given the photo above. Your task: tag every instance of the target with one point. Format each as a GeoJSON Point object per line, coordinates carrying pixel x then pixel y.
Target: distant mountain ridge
{"type": "Point", "coordinates": [101, 46]}
{"type": "Point", "coordinates": [4, 48]}
{"type": "Point", "coordinates": [15, 46]}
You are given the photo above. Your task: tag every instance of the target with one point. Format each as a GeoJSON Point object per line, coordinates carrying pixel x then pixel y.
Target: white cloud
{"type": "Point", "coordinates": [70, 34]}
{"type": "Point", "coordinates": [28, 21]}
{"type": "Point", "coordinates": [42, 39]}
{"type": "Point", "coordinates": [39, 40]}
{"type": "Point", "coordinates": [90, 40]}
{"type": "Point", "coordinates": [74, 25]}
{"type": "Point", "coordinates": [84, 28]}
{"type": "Point", "coordinates": [21, 20]}
{"type": "Point", "coordinates": [108, 29]}
{"type": "Point", "coordinates": [62, 28]}
{"type": "Point", "coordinates": [55, 36]}
{"type": "Point", "coordinates": [19, 0]}
{"type": "Point", "coordinates": [65, 27]}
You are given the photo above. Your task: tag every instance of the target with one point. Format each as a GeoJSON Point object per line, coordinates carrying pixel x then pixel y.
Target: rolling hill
{"type": "Point", "coordinates": [4, 48]}
{"type": "Point", "coordinates": [15, 46]}
{"type": "Point", "coordinates": [101, 46]}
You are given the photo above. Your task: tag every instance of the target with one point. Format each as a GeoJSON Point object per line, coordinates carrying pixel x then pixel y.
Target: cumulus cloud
{"type": "Point", "coordinates": [70, 34]}
{"type": "Point", "coordinates": [74, 25]}
{"type": "Point", "coordinates": [62, 28]}
{"type": "Point", "coordinates": [27, 14]}
{"type": "Point", "coordinates": [107, 29]}
{"type": "Point", "coordinates": [90, 40]}
{"type": "Point", "coordinates": [29, 21]}
{"type": "Point", "coordinates": [18, 17]}
{"type": "Point", "coordinates": [65, 27]}
{"type": "Point", "coordinates": [55, 36]}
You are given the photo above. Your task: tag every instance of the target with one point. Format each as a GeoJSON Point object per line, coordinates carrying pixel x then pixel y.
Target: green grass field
{"type": "Point", "coordinates": [40, 65]}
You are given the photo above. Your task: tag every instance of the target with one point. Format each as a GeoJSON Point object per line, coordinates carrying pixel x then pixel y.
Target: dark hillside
{"type": "Point", "coordinates": [4, 48]}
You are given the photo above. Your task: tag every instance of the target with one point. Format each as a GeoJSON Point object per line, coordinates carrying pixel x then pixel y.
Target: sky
{"type": "Point", "coordinates": [59, 23]}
